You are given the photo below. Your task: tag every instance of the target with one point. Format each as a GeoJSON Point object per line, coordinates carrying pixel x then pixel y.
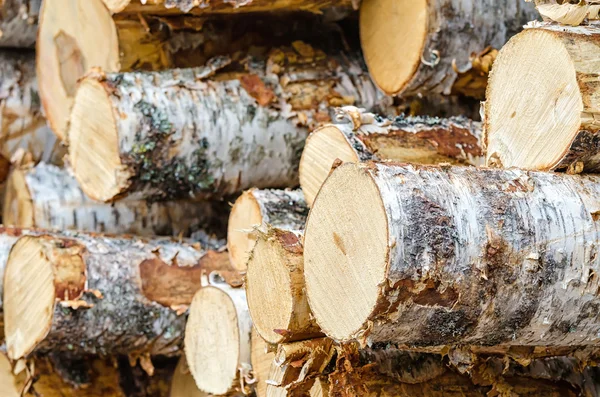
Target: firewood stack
{"type": "Point", "coordinates": [381, 240]}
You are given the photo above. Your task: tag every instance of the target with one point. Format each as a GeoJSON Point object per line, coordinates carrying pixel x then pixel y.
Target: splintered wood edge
{"type": "Point", "coordinates": [212, 341]}
{"type": "Point", "coordinates": [346, 252]}
{"type": "Point", "coordinates": [73, 35]}
{"type": "Point", "coordinates": [94, 142]}
{"type": "Point", "coordinates": [18, 209]}
{"type": "Point", "coordinates": [183, 383]}
{"type": "Point", "coordinates": [534, 105]}
{"type": "Point", "coordinates": [393, 34]}
{"type": "Point", "coordinates": [29, 296]}
{"type": "Point", "coordinates": [323, 147]}
{"type": "Point", "coordinates": [10, 386]}
{"type": "Point", "coordinates": [261, 357]}
{"type": "Point", "coordinates": [245, 215]}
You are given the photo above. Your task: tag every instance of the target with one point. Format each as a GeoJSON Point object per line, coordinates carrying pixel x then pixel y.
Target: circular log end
{"type": "Point", "coordinates": [212, 341]}
{"type": "Point", "coordinates": [18, 204]}
{"type": "Point", "coordinates": [10, 384]}
{"type": "Point", "coordinates": [320, 388]}
{"type": "Point", "coordinates": [183, 384]}
{"type": "Point", "coordinates": [272, 298]}
{"type": "Point", "coordinates": [534, 104]}
{"type": "Point", "coordinates": [244, 216]}
{"type": "Point", "coordinates": [116, 6]}
{"type": "Point", "coordinates": [323, 147]}
{"type": "Point", "coordinates": [346, 251]}
{"type": "Point", "coordinates": [261, 357]}
{"type": "Point", "coordinates": [393, 34]}
{"type": "Point", "coordinates": [94, 143]}
{"type": "Point", "coordinates": [73, 36]}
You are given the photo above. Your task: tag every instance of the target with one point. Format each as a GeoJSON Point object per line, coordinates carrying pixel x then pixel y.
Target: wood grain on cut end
{"type": "Point", "coordinates": [94, 142]}
{"type": "Point", "coordinates": [11, 385]}
{"type": "Point", "coordinates": [320, 388]}
{"type": "Point", "coordinates": [244, 217]}
{"type": "Point", "coordinates": [345, 257]}
{"type": "Point", "coordinates": [261, 357]}
{"type": "Point", "coordinates": [393, 35]}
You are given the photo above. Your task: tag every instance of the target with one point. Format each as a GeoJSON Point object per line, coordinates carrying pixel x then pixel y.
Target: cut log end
{"type": "Point", "coordinates": [212, 338]}
{"type": "Point", "coordinates": [534, 105]}
{"type": "Point", "coordinates": [9, 384]}
{"type": "Point", "coordinates": [31, 288]}
{"type": "Point", "coordinates": [93, 140]}
{"type": "Point", "coordinates": [320, 388]}
{"type": "Point", "coordinates": [18, 205]}
{"type": "Point", "coordinates": [323, 147]}
{"type": "Point", "coordinates": [245, 215]}
{"type": "Point", "coordinates": [345, 252]}
{"type": "Point", "coordinates": [183, 384]}
{"type": "Point", "coordinates": [72, 37]}
{"type": "Point", "coordinates": [261, 357]}
{"type": "Point", "coordinates": [393, 35]}
{"type": "Point", "coordinates": [116, 6]}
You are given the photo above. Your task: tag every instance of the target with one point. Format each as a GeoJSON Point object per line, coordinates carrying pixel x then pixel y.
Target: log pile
{"type": "Point", "coordinates": [299, 198]}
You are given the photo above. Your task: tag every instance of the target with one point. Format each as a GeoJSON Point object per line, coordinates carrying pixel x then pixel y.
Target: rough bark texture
{"type": "Point", "coordinates": [486, 257]}
{"type": "Point", "coordinates": [47, 197]}
{"type": "Point", "coordinates": [221, 6]}
{"type": "Point", "coordinates": [255, 130]}
{"type": "Point", "coordinates": [18, 22]}
{"type": "Point", "coordinates": [282, 209]}
{"type": "Point", "coordinates": [128, 298]}
{"type": "Point", "coordinates": [21, 121]}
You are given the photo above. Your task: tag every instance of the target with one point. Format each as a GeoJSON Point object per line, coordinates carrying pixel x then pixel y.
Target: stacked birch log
{"type": "Point", "coordinates": [367, 252]}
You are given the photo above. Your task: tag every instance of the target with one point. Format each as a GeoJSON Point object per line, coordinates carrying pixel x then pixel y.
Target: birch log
{"type": "Point", "coordinates": [22, 124]}
{"type": "Point", "coordinates": [421, 46]}
{"type": "Point", "coordinates": [19, 23]}
{"type": "Point", "coordinates": [221, 6]}
{"type": "Point", "coordinates": [284, 209]}
{"type": "Point", "coordinates": [185, 135]}
{"type": "Point", "coordinates": [47, 197]}
{"type": "Point", "coordinates": [218, 340]}
{"type": "Point", "coordinates": [261, 356]}
{"type": "Point", "coordinates": [454, 255]}
{"type": "Point", "coordinates": [183, 383]}
{"type": "Point", "coordinates": [359, 136]}
{"type": "Point", "coordinates": [96, 294]}
{"type": "Point", "coordinates": [276, 289]}
{"type": "Point", "coordinates": [531, 124]}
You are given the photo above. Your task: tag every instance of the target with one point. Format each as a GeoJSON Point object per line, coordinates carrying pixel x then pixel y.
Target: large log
{"type": "Point", "coordinates": [167, 147]}
{"type": "Point", "coordinates": [221, 6]}
{"type": "Point", "coordinates": [421, 46]}
{"type": "Point", "coordinates": [256, 208]}
{"type": "Point", "coordinates": [77, 292]}
{"type": "Point", "coordinates": [47, 197]}
{"type": "Point", "coordinates": [218, 340]}
{"type": "Point", "coordinates": [531, 124]}
{"type": "Point", "coordinates": [19, 23]}
{"type": "Point", "coordinates": [359, 136]}
{"type": "Point", "coordinates": [454, 255]}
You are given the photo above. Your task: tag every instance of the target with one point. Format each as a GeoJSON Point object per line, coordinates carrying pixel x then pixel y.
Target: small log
{"type": "Point", "coordinates": [359, 136]}
{"type": "Point", "coordinates": [19, 23]}
{"type": "Point", "coordinates": [198, 7]}
{"type": "Point", "coordinates": [528, 122]}
{"type": "Point", "coordinates": [414, 47]}
{"type": "Point", "coordinates": [183, 383]}
{"type": "Point", "coordinates": [88, 293]}
{"type": "Point", "coordinates": [276, 289]}
{"type": "Point", "coordinates": [261, 356]}
{"type": "Point", "coordinates": [256, 208]}
{"type": "Point", "coordinates": [166, 147]}
{"type": "Point", "coordinates": [47, 197]}
{"type": "Point", "coordinates": [454, 255]}
{"type": "Point", "coordinates": [217, 340]}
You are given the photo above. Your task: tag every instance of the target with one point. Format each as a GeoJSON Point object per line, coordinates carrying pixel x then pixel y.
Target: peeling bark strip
{"type": "Point", "coordinates": [529, 123]}
{"type": "Point", "coordinates": [221, 6]}
{"type": "Point", "coordinates": [48, 197]}
{"type": "Point", "coordinates": [22, 124]}
{"type": "Point", "coordinates": [186, 136]}
{"type": "Point", "coordinates": [96, 294]}
{"type": "Point", "coordinates": [360, 136]}
{"type": "Point", "coordinates": [18, 23]}
{"type": "Point", "coordinates": [255, 208]}
{"type": "Point", "coordinates": [432, 41]}
{"type": "Point", "coordinates": [455, 255]}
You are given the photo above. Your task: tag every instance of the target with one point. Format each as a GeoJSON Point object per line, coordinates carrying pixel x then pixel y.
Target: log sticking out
{"type": "Point", "coordinates": [217, 340]}
{"type": "Point", "coordinates": [19, 23]}
{"type": "Point", "coordinates": [454, 255]}
{"type": "Point", "coordinates": [183, 383]}
{"type": "Point", "coordinates": [49, 197]}
{"type": "Point", "coordinates": [222, 6]}
{"type": "Point", "coordinates": [528, 122]}
{"type": "Point", "coordinates": [97, 294]}
{"type": "Point", "coordinates": [276, 289]}
{"type": "Point", "coordinates": [284, 209]}
{"type": "Point", "coordinates": [358, 136]}
{"type": "Point", "coordinates": [166, 147]}
{"type": "Point", "coordinates": [420, 46]}
{"type": "Point", "coordinates": [261, 356]}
